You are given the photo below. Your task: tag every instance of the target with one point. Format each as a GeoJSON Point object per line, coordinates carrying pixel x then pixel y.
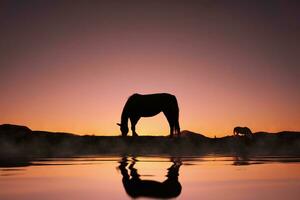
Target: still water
{"type": "Point", "coordinates": [209, 177]}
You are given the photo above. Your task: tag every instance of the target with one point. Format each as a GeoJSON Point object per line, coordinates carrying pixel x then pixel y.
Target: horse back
{"type": "Point", "coordinates": [152, 102]}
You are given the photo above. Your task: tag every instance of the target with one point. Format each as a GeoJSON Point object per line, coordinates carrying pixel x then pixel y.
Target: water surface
{"type": "Point", "coordinates": [209, 177]}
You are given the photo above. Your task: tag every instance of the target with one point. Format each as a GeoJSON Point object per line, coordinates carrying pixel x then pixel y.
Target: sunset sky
{"type": "Point", "coordinates": [71, 65]}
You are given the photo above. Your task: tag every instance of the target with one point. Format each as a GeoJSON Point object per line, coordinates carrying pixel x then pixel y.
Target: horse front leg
{"type": "Point", "coordinates": [134, 121]}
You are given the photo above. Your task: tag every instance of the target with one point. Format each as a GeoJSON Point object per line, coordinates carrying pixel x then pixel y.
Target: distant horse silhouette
{"type": "Point", "coordinates": [136, 187]}
{"type": "Point", "coordinates": [138, 106]}
{"type": "Point", "coordinates": [242, 131]}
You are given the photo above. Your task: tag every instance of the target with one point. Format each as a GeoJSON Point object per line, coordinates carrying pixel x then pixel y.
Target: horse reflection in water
{"type": "Point", "coordinates": [136, 187]}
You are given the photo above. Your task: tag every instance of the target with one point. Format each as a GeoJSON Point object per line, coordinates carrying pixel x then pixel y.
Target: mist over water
{"type": "Point", "coordinates": [104, 177]}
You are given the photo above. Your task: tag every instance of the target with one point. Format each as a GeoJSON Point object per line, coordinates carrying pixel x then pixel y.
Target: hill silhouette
{"type": "Point", "coordinates": [21, 142]}
{"type": "Point", "coordinates": [190, 134]}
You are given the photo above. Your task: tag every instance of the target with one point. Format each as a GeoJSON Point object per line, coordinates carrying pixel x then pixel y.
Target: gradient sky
{"type": "Point", "coordinates": [71, 65]}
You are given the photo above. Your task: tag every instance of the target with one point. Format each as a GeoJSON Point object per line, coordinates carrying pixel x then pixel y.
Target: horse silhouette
{"type": "Point", "coordinates": [242, 131]}
{"type": "Point", "coordinates": [136, 187]}
{"type": "Point", "coordinates": [138, 106]}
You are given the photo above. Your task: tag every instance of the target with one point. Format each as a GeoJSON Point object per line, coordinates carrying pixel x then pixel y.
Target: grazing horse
{"type": "Point", "coordinates": [242, 131]}
{"type": "Point", "coordinates": [138, 106]}
{"type": "Point", "coordinates": [136, 187]}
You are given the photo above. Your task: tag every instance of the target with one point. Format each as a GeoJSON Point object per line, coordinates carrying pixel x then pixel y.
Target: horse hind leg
{"type": "Point", "coordinates": [177, 127]}
{"type": "Point", "coordinates": [176, 121]}
{"type": "Point", "coordinates": [171, 122]}
{"type": "Point", "coordinates": [175, 110]}
{"type": "Point", "coordinates": [172, 128]}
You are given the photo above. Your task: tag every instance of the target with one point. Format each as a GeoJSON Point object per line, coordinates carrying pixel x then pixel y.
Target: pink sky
{"type": "Point", "coordinates": [71, 67]}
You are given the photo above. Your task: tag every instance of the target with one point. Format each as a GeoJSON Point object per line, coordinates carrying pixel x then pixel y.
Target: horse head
{"type": "Point", "coordinates": [123, 128]}
{"type": "Point", "coordinates": [236, 130]}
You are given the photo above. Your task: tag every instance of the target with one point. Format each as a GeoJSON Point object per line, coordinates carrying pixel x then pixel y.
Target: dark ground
{"type": "Point", "coordinates": [21, 143]}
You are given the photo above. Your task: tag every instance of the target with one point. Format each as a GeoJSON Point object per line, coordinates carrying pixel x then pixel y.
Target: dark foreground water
{"type": "Point", "coordinates": [210, 177]}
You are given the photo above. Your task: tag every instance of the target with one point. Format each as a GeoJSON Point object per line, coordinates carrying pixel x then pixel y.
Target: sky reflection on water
{"type": "Point", "coordinates": [210, 177]}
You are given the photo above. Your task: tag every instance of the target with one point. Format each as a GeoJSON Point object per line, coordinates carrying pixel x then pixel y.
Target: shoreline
{"type": "Point", "coordinates": [21, 142]}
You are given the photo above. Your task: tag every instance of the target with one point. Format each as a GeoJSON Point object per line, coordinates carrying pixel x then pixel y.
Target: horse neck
{"type": "Point", "coordinates": [124, 117]}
